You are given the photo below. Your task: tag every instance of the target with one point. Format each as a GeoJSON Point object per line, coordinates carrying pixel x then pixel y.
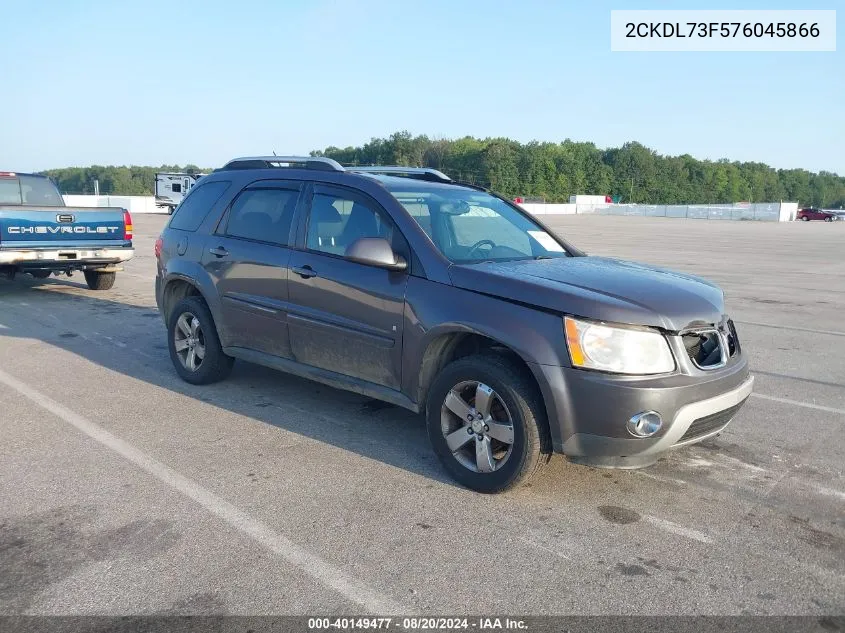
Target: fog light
{"type": "Point", "coordinates": [645, 424]}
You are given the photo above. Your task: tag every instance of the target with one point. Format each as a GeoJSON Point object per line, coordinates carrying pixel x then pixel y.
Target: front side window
{"type": "Point", "coordinates": [473, 226]}
{"type": "Point", "coordinates": [263, 215]}
{"type": "Point", "coordinates": [336, 221]}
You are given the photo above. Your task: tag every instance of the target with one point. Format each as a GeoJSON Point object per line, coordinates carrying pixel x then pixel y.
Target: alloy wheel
{"type": "Point", "coordinates": [477, 426]}
{"type": "Point", "coordinates": [189, 341]}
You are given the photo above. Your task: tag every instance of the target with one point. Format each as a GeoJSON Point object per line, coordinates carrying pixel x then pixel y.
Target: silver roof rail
{"type": "Point", "coordinates": [306, 162]}
{"type": "Point", "coordinates": [420, 173]}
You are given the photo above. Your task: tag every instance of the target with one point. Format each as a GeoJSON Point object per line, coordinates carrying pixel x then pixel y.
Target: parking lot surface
{"type": "Point", "coordinates": [124, 490]}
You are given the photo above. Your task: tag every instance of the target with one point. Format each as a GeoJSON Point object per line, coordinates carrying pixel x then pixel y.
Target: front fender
{"type": "Point", "coordinates": [433, 311]}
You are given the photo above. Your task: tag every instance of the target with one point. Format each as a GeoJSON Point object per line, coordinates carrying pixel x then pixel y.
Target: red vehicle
{"type": "Point", "coordinates": [815, 214]}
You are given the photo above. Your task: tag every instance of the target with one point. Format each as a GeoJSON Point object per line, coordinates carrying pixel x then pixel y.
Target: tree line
{"type": "Point", "coordinates": [631, 173]}
{"type": "Point", "coordinates": [118, 181]}
{"type": "Point", "coordinates": [545, 171]}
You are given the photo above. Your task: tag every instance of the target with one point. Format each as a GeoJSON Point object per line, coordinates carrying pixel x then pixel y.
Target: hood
{"type": "Point", "coordinates": [599, 288]}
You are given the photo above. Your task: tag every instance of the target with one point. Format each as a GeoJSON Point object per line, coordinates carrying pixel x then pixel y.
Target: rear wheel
{"type": "Point", "coordinates": [487, 423]}
{"type": "Point", "coordinates": [805, 218]}
{"type": "Point", "coordinates": [41, 274]}
{"type": "Point", "coordinates": [194, 346]}
{"type": "Point", "coordinates": [99, 281]}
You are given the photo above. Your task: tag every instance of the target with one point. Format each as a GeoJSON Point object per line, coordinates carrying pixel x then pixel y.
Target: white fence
{"type": "Point", "coordinates": [763, 211]}
{"type": "Point", "coordinates": [133, 204]}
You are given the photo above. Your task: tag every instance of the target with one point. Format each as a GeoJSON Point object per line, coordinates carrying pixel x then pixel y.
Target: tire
{"type": "Point", "coordinates": [213, 365]}
{"type": "Point", "coordinates": [515, 397]}
{"type": "Point", "coordinates": [99, 281]}
{"type": "Point", "coordinates": [828, 219]}
{"type": "Point", "coordinates": [41, 274]}
{"type": "Point", "coordinates": [805, 219]}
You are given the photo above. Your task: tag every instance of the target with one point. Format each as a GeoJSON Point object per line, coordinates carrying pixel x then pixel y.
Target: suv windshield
{"type": "Point", "coordinates": [29, 190]}
{"type": "Point", "coordinates": [473, 226]}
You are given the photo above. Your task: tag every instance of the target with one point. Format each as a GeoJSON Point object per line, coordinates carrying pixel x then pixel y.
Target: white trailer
{"type": "Point", "coordinates": [171, 188]}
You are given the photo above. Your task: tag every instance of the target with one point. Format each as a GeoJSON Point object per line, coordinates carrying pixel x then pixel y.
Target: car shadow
{"type": "Point", "coordinates": [129, 338]}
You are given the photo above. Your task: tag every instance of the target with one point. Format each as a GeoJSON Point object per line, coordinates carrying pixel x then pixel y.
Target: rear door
{"type": "Point", "coordinates": [344, 316]}
{"type": "Point", "coordinates": [247, 257]}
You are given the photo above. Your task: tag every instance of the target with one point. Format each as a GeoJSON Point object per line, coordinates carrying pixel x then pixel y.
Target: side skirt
{"type": "Point", "coordinates": [325, 376]}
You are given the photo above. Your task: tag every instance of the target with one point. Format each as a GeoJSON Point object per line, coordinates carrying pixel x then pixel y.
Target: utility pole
{"type": "Point", "coordinates": [96, 187]}
{"type": "Point", "coordinates": [631, 199]}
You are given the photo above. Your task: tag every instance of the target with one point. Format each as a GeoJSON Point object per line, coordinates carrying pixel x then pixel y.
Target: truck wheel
{"type": "Point", "coordinates": [41, 274]}
{"type": "Point", "coordinates": [487, 423]}
{"type": "Point", "coordinates": [194, 346]}
{"type": "Point", "coordinates": [99, 281]}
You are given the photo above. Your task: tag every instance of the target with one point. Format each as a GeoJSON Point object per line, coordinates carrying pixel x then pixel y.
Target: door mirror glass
{"type": "Point", "coordinates": [375, 251]}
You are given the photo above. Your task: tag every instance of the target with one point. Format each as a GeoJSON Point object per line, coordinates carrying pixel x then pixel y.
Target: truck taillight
{"type": "Point", "coordinates": [127, 226]}
{"type": "Point", "coordinates": [157, 248]}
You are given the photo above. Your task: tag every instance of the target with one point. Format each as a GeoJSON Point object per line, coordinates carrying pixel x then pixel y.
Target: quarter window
{"type": "Point", "coordinates": [195, 206]}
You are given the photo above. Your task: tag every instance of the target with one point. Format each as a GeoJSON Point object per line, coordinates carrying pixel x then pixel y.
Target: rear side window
{"type": "Point", "coordinates": [263, 215]}
{"type": "Point", "coordinates": [190, 214]}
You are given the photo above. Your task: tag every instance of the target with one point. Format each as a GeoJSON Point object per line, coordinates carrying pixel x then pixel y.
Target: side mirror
{"type": "Point", "coordinates": [375, 251]}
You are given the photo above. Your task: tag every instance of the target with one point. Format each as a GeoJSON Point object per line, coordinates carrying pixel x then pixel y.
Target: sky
{"type": "Point", "coordinates": [157, 82]}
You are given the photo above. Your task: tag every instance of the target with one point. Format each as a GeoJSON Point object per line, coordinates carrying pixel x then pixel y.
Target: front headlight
{"type": "Point", "coordinates": [617, 349]}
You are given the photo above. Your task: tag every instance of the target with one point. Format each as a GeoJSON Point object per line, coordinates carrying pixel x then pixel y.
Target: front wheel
{"type": "Point", "coordinates": [487, 423]}
{"type": "Point", "coordinates": [99, 281]}
{"type": "Point", "coordinates": [828, 219]}
{"type": "Point", "coordinates": [805, 219]}
{"type": "Point", "coordinates": [193, 343]}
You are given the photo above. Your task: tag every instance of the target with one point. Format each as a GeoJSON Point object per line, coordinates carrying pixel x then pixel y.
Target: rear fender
{"type": "Point", "coordinates": [183, 270]}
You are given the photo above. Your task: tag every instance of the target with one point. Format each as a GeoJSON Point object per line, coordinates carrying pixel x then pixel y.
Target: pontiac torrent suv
{"type": "Point", "coordinates": [443, 298]}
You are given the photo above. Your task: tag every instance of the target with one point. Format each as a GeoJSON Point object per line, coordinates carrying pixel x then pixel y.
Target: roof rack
{"type": "Point", "coordinates": [418, 173]}
{"type": "Point", "coordinates": [307, 162]}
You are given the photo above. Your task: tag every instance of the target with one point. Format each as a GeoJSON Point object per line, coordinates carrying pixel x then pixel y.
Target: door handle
{"type": "Point", "coordinates": [218, 251]}
{"type": "Point", "coordinates": [306, 272]}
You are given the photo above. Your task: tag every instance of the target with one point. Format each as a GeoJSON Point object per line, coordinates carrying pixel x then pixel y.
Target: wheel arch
{"type": "Point", "coordinates": [178, 286]}
{"type": "Point", "coordinates": [453, 342]}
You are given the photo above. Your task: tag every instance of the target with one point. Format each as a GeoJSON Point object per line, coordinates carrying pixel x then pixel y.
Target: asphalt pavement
{"type": "Point", "coordinates": [124, 490]}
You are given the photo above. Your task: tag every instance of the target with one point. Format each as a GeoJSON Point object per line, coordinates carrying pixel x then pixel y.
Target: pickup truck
{"type": "Point", "coordinates": [39, 235]}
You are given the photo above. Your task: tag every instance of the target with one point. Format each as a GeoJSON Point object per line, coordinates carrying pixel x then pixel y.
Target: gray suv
{"type": "Point", "coordinates": [443, 298]}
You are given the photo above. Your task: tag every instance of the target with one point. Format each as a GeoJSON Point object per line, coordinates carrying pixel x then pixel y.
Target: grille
{"type": "Point", "coordinates": [733, 339]}
{"type": "Point", "coordinates": [710, 423]}
{"type": "Point", "coordinates": [705, 347]}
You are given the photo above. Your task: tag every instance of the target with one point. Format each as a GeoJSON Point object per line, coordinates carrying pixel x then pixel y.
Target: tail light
{"type": "Point", "coordinates": [157, 248]}
{"type": "Point", "coordinates": [127, 224]}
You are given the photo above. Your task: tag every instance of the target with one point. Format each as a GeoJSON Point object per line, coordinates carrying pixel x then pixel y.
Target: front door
{"type": "Point", "coordinates": [344, 316]}
{"type": "Point", "coordinates": [248, 258]}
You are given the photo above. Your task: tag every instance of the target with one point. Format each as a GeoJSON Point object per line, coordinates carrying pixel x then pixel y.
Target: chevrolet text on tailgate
{"type": "Point", "coordinates": [39, 235]}
{"type": "Point", "coordinates": [448, 300]}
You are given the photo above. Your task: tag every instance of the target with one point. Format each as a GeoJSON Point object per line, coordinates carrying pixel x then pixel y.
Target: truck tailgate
{"type": "Point", "coordinates": [43, 227]}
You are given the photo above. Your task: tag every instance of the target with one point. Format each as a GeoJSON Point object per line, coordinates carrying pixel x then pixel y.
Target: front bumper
{"type": "Point", "coordinates": [64, 258]}
{"type": "Point", "coordinates": [588, 411]}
